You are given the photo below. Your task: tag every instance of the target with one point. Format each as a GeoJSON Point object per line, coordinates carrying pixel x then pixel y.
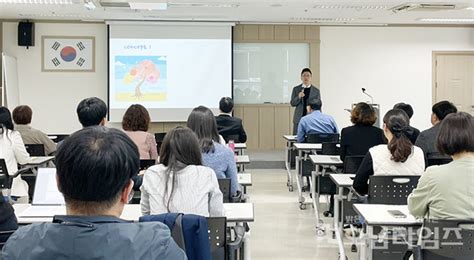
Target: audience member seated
{"type": "Point", "coordinates": [227, 125]}
{"type": "Point", "coordinates": [427, 139]}
{"type": "Point", "coordinates": [22, 117]}
{"type": "Point", "coordinates": [180, 183]}
{"type": "Point", "coordinates": [446, 191]}
{"type": "Point", "coordinates": [14, 152]}
{"type": "Point", "coordinates": [7, 219]}
{"type": "Point", "coordinates": [94, 170]}
{"type": "Point", "coordinates": [92, 112]}
{"type": "Point", "coordinates": [135, 123]}
{"type": "Point", "coordinates": [315, 122]}
{"type": "Point", "coordinates": [214, 155]}
{"type": "Point", "coordinates": [398, 157]}
{"type": "Point", "coordinates": [357, 139]}
{"type": "Point", "coordinates": [409, 110]}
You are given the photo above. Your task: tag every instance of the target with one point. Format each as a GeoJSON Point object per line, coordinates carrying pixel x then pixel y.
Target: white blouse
{"type": "Point", "coordinates": [197, 192]}
{"type": "Point", "coordinates": [14, 152]}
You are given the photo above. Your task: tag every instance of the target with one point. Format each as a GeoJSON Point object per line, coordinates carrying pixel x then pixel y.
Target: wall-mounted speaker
{"type": "Point", "coordinates": [26, 34]}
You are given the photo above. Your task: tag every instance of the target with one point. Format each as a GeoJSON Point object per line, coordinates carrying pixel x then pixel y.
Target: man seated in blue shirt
{"type": "Point", "coordinates": [94, 172]}
{"type": "Point", "coordinates": [315, 122]}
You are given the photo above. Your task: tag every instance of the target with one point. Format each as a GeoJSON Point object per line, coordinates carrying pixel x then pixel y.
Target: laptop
{"type": "Point", "coordinates": [47, 200]}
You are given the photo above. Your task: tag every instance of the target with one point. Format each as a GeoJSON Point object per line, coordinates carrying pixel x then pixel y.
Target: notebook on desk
{"type": "Point", "coordinates": [47, 200]}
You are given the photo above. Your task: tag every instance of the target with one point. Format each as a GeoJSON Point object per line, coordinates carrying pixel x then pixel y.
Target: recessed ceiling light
{"type": "Point", "coordinates": [357, 7]}
{"type": "Point", "coordinates": [470, 8]}
{"type": "Point", "coordinates": [45, 2]}
{"type": "Point", "coordinates": [447, 20]}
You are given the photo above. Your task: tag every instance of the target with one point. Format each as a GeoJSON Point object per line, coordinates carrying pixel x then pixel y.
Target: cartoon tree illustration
{"type": "Point", "coordinates": [145, 71]}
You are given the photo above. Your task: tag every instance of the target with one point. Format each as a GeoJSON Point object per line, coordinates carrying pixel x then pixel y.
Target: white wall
{"type": "Point", "coordinates": [394, 64]}
{"type": "Point", "coordinates": [54, 96]}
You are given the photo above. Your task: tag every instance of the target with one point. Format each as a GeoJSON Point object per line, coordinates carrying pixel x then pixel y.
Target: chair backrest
{"type": "Point", "coordinates": [352, 163]}
{"type": "Point", "coordinates": [35, 149]}
{"type": "Point", "coordinates": [391, 189]}
{"type": "Point", "coordinates": [224, 186]}
{"type": "Point", "coordinates": [447, 240]}
{"type": "Point", "coordinates": [159, 140]}
{"type": "Point", "coordinates": [330, 148]}
{"type": "Point", "coordinates": [5, 180]}
{"type": "Point", "coordinates": [231, 137]}
{"type": "Point", "coordinates": [58, 138]}
{"type": "Point", "coordinates": [438, 160]}
{"type": "Point", "coordinates": [322, 138]}
{"type": "Point", "coordinates": [218, 237]}
{"type": "Point", "coordinates": [145, 164]}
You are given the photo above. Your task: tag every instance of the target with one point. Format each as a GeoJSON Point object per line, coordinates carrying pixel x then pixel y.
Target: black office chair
{"type": "Point", "coordinates": [352, 163]}
{"type": "Point", "coordinates": [322, 138]}
{"type": "Point", "coordinates": [445, 240]}
{"type": "Point", "coordinates": [35, 149]}
{"type": "Point", "coordinates": [58, 138]}
{"type": "Point", "coordinates": [145, 164]}
{"type": "Point", "coordinates": [391, 189]}
{"type": "Point", "coordinates": [437, 160]}
{"type": "Point", "coordinates": [218, 237]}
{"type": "Point", "coordinates": [4, 235]}
{"type": "Point", "coordinates": [330, 148]}
{"type": "Point", "coordinates": [224, 186]}
{"type": "Point", "coordinates": [159, 140]}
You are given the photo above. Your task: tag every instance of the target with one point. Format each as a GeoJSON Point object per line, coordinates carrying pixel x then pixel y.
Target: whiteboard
{"type": "Point", "coordinates": [267, 72]}
{"type": "Point", "coordinates": [11, 93]}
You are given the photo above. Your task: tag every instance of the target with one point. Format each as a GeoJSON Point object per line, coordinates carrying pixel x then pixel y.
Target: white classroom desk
{"type": "Point", "coordinates": [234, 212]}
{"type": "Point", "coordinates": [245, 179]}
{"type": "Point", "coordinates": [320, 160]}
{"type": "Point", "coordinates": [377, 215]}
{"type": "Point", "coordinates": [300, 148]}
{"type": "Point", "coordinates": [240, 148]}
{"type": "Point", "coordinates": [342, 181]}
{"type": "Point", "coordinates": [290, 139]}
{"type": "Point", "coordinates": [241, 161]}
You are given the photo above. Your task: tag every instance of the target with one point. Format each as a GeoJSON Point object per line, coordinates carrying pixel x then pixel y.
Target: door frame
{"type": "Point", "coordinates": [435, 54]}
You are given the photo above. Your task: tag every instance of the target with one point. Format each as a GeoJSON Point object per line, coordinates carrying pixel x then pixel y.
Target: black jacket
{"type": "Point", "coordinates": [358, 139]}
{"type": "Point", "coordinates": [231, 126]}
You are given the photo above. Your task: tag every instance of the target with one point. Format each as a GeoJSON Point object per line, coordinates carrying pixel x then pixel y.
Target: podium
{"type": "Point", "coordinates": [376, 108]}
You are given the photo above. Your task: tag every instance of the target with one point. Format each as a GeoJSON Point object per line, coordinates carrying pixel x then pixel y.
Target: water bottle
{"type": "Point", "coordinates": [232, 145]}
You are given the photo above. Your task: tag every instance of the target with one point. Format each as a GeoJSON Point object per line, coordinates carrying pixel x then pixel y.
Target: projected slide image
{"type": "Point", "coordinates": [140, 78]}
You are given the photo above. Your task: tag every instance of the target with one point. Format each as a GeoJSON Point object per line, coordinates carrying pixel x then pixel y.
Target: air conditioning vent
{"type": "Point", "coordinates": [422, 7]}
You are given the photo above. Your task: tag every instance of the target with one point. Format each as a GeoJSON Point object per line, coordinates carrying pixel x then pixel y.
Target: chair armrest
{"type": "Point", "coordinates": [238, 197]}
{"type": "Point", "coordinates": [21, 171]}
{"type": "Point", "coordinates": [239, 237]}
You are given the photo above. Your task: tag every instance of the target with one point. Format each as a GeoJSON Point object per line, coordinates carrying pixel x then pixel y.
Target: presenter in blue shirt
{"type": "Point", "coordinates": [315, 122]}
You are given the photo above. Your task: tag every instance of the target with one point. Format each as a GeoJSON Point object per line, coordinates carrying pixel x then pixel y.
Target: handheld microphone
{"type": "Point", "coordinates": [371, 98]}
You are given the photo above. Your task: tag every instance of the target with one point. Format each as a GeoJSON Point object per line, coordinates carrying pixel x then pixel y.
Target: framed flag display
{"type": "Point", "coordinates": [68, 54]}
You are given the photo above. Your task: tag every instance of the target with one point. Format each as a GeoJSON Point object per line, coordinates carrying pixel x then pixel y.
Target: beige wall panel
{"type": "Point", "coordinates": [282, 117]}
{"type": "Point", "coordinates": [311, 32]}
{"type": "Point", "coordinates": [282, 32]}
{"type": "Point", "coordinates": [238, 33]}
{"type": "Point", "coordinates": [314, 62]}
{"type": "Point", "coordinates": [297, 32]}
{"type": "Point", "coordinates": [250, 32]}
{"type": "Point", "coordinates": [251, 123]}
{"type": "Point", "coordinates": [156, 128]}
{"type": "Point", "coordinates": [239, 111]}
{"type": "Point", "coordinates": [266, 127]}
{"type": "Point", "coordinates": [170, 125]}
{"type": "Point", "coordinates": [265, 32]}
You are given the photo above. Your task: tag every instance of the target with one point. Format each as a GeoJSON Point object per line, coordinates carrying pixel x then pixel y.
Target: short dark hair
{"type": "Point", "coordinates": [397, 121]}
{"type": "Point", "coordinates": [22, 115]}
{"type": "Point", "coordinates": [226, 104]}
{"type": "Point", "coordinates": [405, 107]}
{"type": "Point", "coordinates": [443, 108]}
{"type": "Point", "coordinates": [94, 165]}
{"type": "Point", "coordinates": [136, 118]}
{"type": "Point", "coordinates": [315, 104]}
{"type": "Point", "coordinates": [363, 114]}
{"type": "Point", "coordinates": [456, 134]}
{"type": "Point", "coordinates": [91, 111]}
{"type": "Point", "coordinates": [5, 119]}
{"type": "Point", "coordinates": [203, 123]}
{"type": "Point", "coordinates": [306, 70]}
{"type": "Point", "coordinates": [180, 148]}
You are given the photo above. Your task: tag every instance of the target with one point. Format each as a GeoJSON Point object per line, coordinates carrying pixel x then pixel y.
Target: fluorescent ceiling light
{"type": "Point", "coordinates": [470, 8]}
{"type": "Point", "coordinates": [357, 7]}
{"type": "Point", "coordinates": [148, 5]}
{"type": "Point", "coordinates": [45, 2]}
{"type": "Point", "coordinates": [206, 5]}
{"type": "Point", "coordinates": [448, 20]}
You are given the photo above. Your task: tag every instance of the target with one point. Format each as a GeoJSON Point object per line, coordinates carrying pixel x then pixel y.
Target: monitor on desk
{"type": "Point", "coordinates": [46, 188]}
